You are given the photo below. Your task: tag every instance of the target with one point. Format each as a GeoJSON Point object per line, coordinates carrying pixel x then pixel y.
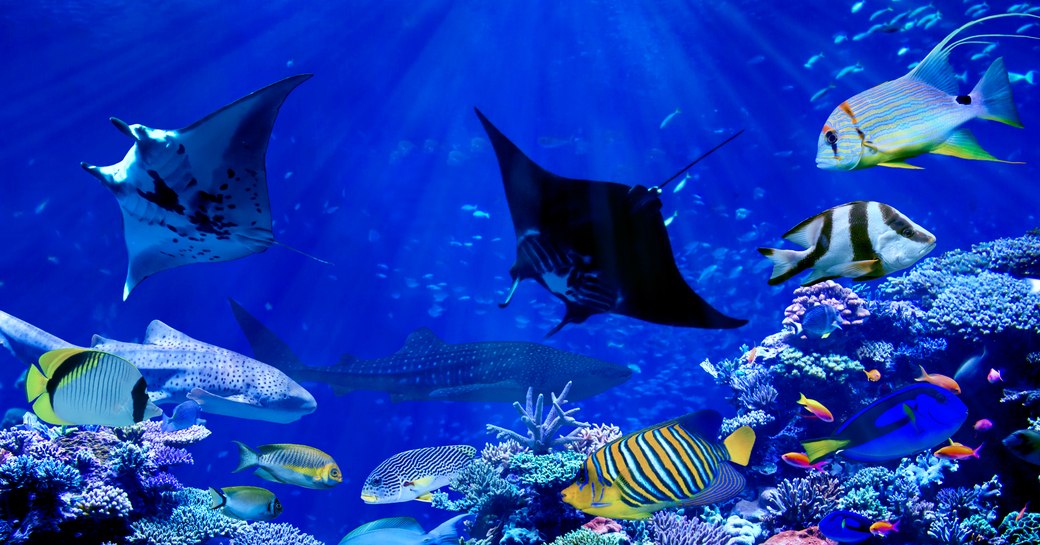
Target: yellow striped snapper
{"type": "Point", "coordinates": [918, 113]}
{"type": "Point", "coordinates": [677, 463]}
{"type": "Point", "coordinates": [415, 474]}
{"type": "Point", "coordinates": [245, 502]}
{"type": "Point", "coordinates": [862, 240]}
{"type": "Point", "coordinates": [76, 386]}
{"type": "Point", "coordinates": [290, 464]}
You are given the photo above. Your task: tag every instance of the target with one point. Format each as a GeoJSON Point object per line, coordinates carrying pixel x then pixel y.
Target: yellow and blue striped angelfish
{"type": "Point", "coordinates": [677, 463]}
{"type": "Point", "coordinates": [921, 112]}
{"type": "Point", "coordinates": [77, 386]}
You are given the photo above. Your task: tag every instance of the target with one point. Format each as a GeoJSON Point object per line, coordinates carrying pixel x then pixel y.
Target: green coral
{"type": "Point", "coordinates": [865, 501]}
{"type": "Point", "coordinates": [794, 363]}
{"type": "Point", "coordinates": [584, 536]}
{"type": "Point", "coordinates": [1025, 531]}
{"type": "Point", "coordinates": [486, 494]}
{"type": "Point", "coordinates": [555, 470]}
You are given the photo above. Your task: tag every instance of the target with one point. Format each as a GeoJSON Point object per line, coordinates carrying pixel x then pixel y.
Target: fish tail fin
{"type": "Point", "coordinates": [217, 499]}
{"type": "Point", "coordinates": [1030, 77]}
{"type": "Point", "coordinates": [818, 448]}
{"type": "Point", "coordinates": [785, 263]}
{"type": "Point", "coordinates": [739, 444]}
{"type": "Point", "coordinates": [247, 457]}
{"type": "Point", "coordinates": [802, 400]}
{"type": "Point", "coordinates": [975, 453]}
{"type": "Point", "coordinates": [994, 95]}
{"type": "Point", "coordinates": [818, 466]}
{"type": "Point", "coordinates": [924, 375]}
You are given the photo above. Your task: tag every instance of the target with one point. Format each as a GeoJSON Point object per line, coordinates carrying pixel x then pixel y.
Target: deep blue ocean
{"type": "Point", "coordinates": [377, 162]}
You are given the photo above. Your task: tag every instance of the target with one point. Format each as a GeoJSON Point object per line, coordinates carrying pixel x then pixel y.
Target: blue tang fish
{"type": "Point", "coordinates": [846, 527]}
{"type": "Point", "coordinates": [184, 416]}
{"type": "Point", "coordinates": [405, 531]}
{"type": "Point", "coordinates": [906, 421]}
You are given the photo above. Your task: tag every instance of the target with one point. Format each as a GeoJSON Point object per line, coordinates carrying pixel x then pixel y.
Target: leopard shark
{"type": "Point", "coordinates": [177, 368]}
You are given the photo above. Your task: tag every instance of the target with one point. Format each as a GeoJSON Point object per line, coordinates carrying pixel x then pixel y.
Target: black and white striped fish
{"type": "Point", "coordinates": [862, 240]}
{"type": "Point", "coordinates": [414, 474]}
{"type": "Point", "coordinates": [76, 386]}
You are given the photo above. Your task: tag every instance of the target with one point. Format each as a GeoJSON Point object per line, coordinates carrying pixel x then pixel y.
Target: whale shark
{"type": "Point", "coordinates": [429, 369]}
{"type": "Point", "coordinates": [197, 194]}
{"type": "Point", "coordinates": [177, 368]}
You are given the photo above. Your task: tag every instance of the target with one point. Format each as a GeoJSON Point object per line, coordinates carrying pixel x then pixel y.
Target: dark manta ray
{"type": "Point", "coordinates": [197, 194]}
{"type": "Point", "coordinates": [598, 246]}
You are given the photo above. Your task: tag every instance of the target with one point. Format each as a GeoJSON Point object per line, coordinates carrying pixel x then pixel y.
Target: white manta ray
{"type": "Point", "coordinates": [197, 194]}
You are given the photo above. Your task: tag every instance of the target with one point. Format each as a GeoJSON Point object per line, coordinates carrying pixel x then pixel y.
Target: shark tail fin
{"type": "Point", "coordinates": [247, 457]}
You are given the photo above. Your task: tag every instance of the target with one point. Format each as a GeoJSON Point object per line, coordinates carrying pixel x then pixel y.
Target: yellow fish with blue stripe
{"type": "Point", "coordinates": [921, 112]}
{"type": "Point", "coordinates": [678, 463]}
{"type": "Point", "coordinates": [287, 463]}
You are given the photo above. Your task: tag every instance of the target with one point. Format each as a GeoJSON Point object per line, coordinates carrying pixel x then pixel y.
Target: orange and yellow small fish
{"type": "Point", "coordinates": [801, 460]}
{"type": "Point", "coordinates": [941, 381]}
{"type": "Point", "coordinates": [922, 112]}
{"type": "Point", "coordinates": [1022, 513]}
{"type": "Point", "coordinates": [883, 527]}
{"type": "Point", "coordinates": [816, 408]}
{"type": "Point", "coordinates": [873, 375]}
{"type": "Point", "coordinates": [957, 451]}
{"type": "Point", "coordinates": [751, 355]}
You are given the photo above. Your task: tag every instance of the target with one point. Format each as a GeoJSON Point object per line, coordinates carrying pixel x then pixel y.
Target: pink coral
{"type": "Point", "coordinates": [808, 536]}
{"type": "Point", "coordinates": [593, 438]}
{"type": "Point", "coordinates": [851, 309]}
{"type": "Point", "coordinates": [601, 525]}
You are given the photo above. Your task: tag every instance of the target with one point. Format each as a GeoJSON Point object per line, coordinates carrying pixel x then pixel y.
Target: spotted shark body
{"type": "Point", "coordinates": [177, 368]}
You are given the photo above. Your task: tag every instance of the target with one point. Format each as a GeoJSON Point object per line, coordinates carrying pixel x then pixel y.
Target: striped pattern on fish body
{"type": "Point", "coordinates": [76, 386]}
{"type": "Point", "coordinates": [288, 463]}
{"type": "Point", "coordinates": [921, 112]}
{"type": "Point", "coordinates": [414, 474]}
{"type": "Point", "coordinates": [668, 465]}
{"type": "Point", "coordinates": [862, 240]}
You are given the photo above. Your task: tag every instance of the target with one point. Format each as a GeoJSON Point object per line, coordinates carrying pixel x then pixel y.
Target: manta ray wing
{"type": "Point", "coordinates": [197, 194]}
{"type": "Point", "coordinates": [601, 247]}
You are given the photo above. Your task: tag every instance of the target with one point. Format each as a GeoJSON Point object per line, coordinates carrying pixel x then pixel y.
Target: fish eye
{"type": "Point", "coordinates": [377, 481]}
{"type": "Point", "coordinates": [334, 473]}
{"type": "Point", "coordinates": [907, 232]}
{"type": "Point", "coordinates": [831, 136]}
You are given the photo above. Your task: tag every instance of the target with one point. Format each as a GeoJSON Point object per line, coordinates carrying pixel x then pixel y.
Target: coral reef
{"type": "Point", "coordinates": [802, 502]}
{"type": "Point", "coordinates": [592, 438]}
{"type": "Point", "coordinates": [851, 308]}
{"type": "Point", "coordinates": [674, 529]}
{"type": "Point", "coordinates": [795, 364]}
{"type": "Point", "coordinates": [808, 536]}
{"type": "Point", "coordinates": [541, 434]}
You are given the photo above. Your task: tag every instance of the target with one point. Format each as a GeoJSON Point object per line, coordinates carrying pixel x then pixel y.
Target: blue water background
{"type": "Point", "coordinates": [373, 160]}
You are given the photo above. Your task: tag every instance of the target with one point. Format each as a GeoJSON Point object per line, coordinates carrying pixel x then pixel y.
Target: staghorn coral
{"type": "Point", "coordinates": [541, 433]}
{"type": "Point", "coordinates": [674, 529]}
{"type": "Point", "coordinates": [802, 502]}
{"type": "Point", "coordinates": [593, 438]}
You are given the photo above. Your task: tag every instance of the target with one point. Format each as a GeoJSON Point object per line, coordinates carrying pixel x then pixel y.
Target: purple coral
{"type": "Point", "coordinates": [594, 437]}
{"type": "Point", "coordinates": [851, 308]}
{"type": "Point", "coordinates": [674, 529]}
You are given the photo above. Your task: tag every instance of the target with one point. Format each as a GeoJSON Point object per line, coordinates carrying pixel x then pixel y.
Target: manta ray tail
{"type": "Point", "coordinates": [267, 346]}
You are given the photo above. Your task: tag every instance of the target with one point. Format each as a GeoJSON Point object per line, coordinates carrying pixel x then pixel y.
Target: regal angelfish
{"type": "Point", "coordinates": [678, 463]}
{"type": "Point", "coordinates": [862, 240]}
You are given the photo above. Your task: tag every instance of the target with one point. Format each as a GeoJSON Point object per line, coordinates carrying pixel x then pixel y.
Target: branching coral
{"type": "Point", "coordinates": [794, 364]}
{"type": "Point", "coordinates": [851, 308]}
{"type": "Point", "coordinates": [584, 536]}
{"type": "Point", "coordinates": [485, 493]}
{"type": "Point", "coordinates": [800, 503]}
{"type": "Point", "coordinates": [673, 529]}
{"type": "Point", "coordinates": [541, 434]}
{"type": "Point", "coordinates": [595, 437]}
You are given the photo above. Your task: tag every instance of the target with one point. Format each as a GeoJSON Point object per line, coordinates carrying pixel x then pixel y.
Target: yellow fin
{"type": "Point", "coordinates": [739, 444]}
{"type": "Point", "coordinates": [43, 409]}
{"type": "Point", "coordinates": [963, 144]}
{"type": "Point", "coordinates": [819, 448]}
{"type": "Point", "coordinates": [427, 497]}
{"type": "Point", "coordinates": [855, 269]}
{"type": "Point", "coordinates": [900, 164]}
{"type": "Point", "coordinates": [50, 361]}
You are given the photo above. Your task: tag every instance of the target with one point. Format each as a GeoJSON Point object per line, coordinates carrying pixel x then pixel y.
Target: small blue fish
{"type": "Point", "coordinates": [184, 416]}
{"type": "Point", "coordinates": [819, 322]}
{"type": "Point", "coordinates": [846, 527]}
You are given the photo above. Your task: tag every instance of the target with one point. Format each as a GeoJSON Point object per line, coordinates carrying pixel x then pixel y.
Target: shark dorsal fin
{"type": "Point", "coordinates": [98, 339]}
{"type": "Point", "coordinates": [421, 341]}
{"type": "Point", "coordinates": [161, 334]}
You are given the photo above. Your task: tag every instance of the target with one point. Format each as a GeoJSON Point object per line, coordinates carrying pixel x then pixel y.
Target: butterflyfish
{"type": "Point", "coordinates": [77, 386]}
{"type": "Point", "coordinates": [921, 112]}
{"type": "Point", "coordinates": [678, 463]}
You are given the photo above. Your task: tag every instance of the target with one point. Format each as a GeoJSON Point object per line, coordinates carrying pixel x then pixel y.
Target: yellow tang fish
{"type": "Point", "coordinates": [290, 464]}
{"type": "Point", "coordinates": [921, 112]}
{"type": "Point", "coordinates": [678, 463]}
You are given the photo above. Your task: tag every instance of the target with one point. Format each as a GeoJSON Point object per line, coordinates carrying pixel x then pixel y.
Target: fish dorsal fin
{"type": "Point", "coordinates": [421, 341]}
{"type": "Point", "coordinates": [50, 361]}
{"type": "Point", "coordinates": [727, 484]}
{"type": "Point", "coordinates": [806, 233]}
{"type": "Point", "coordinates": [935, 70]}
{"type": "Point", "coordinates": [407, 524]}
{"type": "Point", "coordinates": [161, 334]}
{"type": "Point", "coordinates": [704, 423]}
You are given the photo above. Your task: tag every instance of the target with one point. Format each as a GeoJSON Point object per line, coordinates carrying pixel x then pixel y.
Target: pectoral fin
{"type": "Point", "coordinates": [900, 164]}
